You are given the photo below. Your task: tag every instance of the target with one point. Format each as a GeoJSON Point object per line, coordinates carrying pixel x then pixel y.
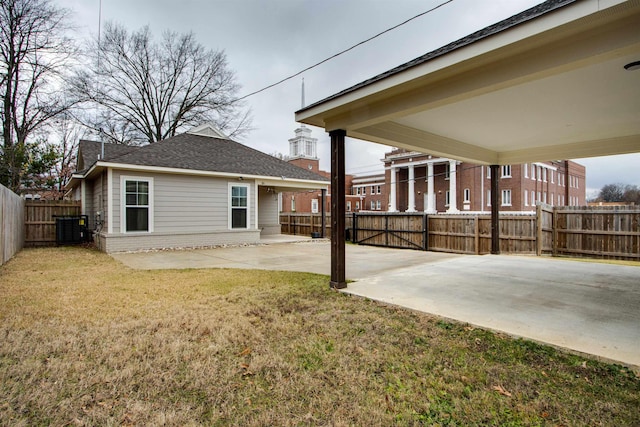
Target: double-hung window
{"type": "Point", "coordinates": [239, 206]}
{"type": "Point", "coordinates": [506, 197]}
{"type": "Point", "coordinates": [137, 204]}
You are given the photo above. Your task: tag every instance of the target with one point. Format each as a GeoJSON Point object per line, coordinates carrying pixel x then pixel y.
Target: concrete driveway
{"type": "Point", "coordinates": [588, 307]}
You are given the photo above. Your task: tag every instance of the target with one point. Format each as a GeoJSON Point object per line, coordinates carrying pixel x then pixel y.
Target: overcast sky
{"type": "Point", "coordinates": [267, 40]}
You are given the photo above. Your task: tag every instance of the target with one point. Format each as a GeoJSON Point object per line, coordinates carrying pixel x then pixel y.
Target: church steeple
{"type": "Point", "coordinates": [303, 146]}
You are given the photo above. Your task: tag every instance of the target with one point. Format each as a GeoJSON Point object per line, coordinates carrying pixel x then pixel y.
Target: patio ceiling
{"type": "Point", "coordinates": [547, 84]}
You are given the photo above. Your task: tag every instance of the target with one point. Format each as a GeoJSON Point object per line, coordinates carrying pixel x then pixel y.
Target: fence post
{"type": "Point", "coordinates": [425, 232]}
{"type": "Point", "coordinates": [539, 229]}
{"type": "Point", "coordinates": [554, 233]}
{"type": "Point", "coordinates": [476, 237]}
{"type": "Point", "coordinates": [354, 228]}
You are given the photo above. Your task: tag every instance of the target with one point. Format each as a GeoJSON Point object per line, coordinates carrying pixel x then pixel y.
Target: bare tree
{"type": "Point", "coordinates": [33, 54]}
{"type": "Point", "coordinates": [142, 91]}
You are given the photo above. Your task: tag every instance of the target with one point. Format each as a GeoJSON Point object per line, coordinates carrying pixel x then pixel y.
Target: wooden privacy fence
{"type": "Point", "coordinates": [602, 232]}
{"type": "Point", "coordinates": [11, 224]}
{"type": "Point", "coordinates": [306, 224]}
{"type": "Point", "coordinates": [40, 220]}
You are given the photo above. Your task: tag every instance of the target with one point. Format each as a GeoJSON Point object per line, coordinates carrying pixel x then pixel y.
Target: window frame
{"type": "Point", "coordinates": [247, 207]}
{"type": "Point", "coordinates": [505, 171]}
{"type": "Point", "coordinates": [124, 206]}
{"type": "Point", "coordinates": [466, 195]}
{"type": "Point", "coordinates": [314, 206]}
{"type": "Point", "coordinates": [506, 192]}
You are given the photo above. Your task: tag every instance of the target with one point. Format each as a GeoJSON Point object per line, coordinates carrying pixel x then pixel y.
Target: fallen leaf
{"type": "Point", "coordinates": [501, 390]}
{"type": "Point", "coordinates": [245, 352]}
{"type": "Point", "coordinates": [584, 364]}
{"type": "Point", "coordinates": [388, 401]}
{"type": "Point", "coordinates": [544, 374]}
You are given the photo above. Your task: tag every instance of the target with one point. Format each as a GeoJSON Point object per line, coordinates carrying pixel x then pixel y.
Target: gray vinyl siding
{"type": "Point", "coordinates": [268, 215]}
{"type": "Point", "coordinates": [183, 203]}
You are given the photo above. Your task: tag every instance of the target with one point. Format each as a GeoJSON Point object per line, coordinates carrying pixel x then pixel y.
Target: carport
{"type": "Point", "coordinates": [560, 80]}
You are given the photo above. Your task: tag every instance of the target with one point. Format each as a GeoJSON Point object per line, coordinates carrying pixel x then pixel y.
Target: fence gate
{"type": "Point", "coordinates": [406, 231]}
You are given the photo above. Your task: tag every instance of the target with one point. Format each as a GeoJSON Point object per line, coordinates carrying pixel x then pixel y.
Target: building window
{"type": "Point", "coordinates": [373, 205]}
{"type": "Point", "coordinates": [533, 172]}
{"type": "Point", "coordinates": [506, 171]}
{"type": "Point", "coordinates": [357, 206]}
{"type": "Point", "coordinates": [544, 175]}
{"type": "Point", "coordinates": [348, 205]}
{"type": "Point", "coordinates": [526, 170]}
{"type": "Point", "coordinates": [551, 176]}
{"type": "Point", "coordinates": [506, 197]}
{"type": "Point", "coordinates": [239, 211]}
{"type": "Point", "coordinates": [539, 198]}
{"type": "Point", "coordinates": [378, 189]}
{"type": "Point", "coordinates": [314, 205]}
{"type": "Point", "coordinates": [552, 198]}
{"type": "Point", "coordinates": [526, 198]}
{"type": "Point", "coordinates": [138, 196]}
{"type": "Point", "coordinates": [539, 173]}
{"type": "Point", "coordinates": [378, 205]}
{"type": "Point", "coordinates": [544, 197]}
{"type": "Point", "coordinates": [488, 197]}
{"type": "Point", "coordinates": [488, 172]}
{"type": "Point", "coordinates": [293, 203]}
{"type": "Point", "coordinates": [467, 195]}
{"type": "Point", "coordinates": [447, 198]}
{"type": "Point", "coordinates": [533, 198]}
{"type": "Point", "coordinates": [373, 190]}
{"type": "Point", "coordinates": [447, 171]}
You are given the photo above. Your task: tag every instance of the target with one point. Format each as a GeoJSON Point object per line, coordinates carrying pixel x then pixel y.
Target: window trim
{"type": "Point", "coordinates": [123, 203]}
{"type": "Point", "coordinates": [505, 171]}
{"type": "Point", "coordinates": [466, 195]}
{"type": "Point", "coordinates": [248, 207]}
{"type": "Point", "coordinates": [314, 209]}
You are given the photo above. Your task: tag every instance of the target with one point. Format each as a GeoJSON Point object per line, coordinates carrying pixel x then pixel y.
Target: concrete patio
{"type": "Point", "coordinates": [583, 306]}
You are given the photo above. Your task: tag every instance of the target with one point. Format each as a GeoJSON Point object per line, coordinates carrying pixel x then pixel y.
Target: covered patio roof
{"type": "Point", "coordinates": [558, 81]}
{"type": "Point", "coordinates": [549, 83]}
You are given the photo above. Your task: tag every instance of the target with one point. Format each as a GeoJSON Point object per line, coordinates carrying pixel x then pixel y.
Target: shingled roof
{"type": "Point", "coordinates": [199, 152]}
{"type": "Point", "coordinates": [520, 18]}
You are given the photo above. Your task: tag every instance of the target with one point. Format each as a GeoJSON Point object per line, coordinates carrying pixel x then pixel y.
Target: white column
{"type": "Point", "coordinates": [412, 190]}
{"type": "Point", "coordinates": [452, 187]}
{"type": "Point", "coordinates": [392, 191]}
{"type": "Point", "coordinates": [431, 196]}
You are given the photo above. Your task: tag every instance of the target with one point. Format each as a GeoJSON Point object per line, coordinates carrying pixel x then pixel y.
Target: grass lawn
{"type": "Point", "coordinates": [86, 341]}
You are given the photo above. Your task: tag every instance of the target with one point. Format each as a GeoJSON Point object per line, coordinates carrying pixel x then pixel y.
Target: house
{"type": "Point", "coordinates": [195, 189]}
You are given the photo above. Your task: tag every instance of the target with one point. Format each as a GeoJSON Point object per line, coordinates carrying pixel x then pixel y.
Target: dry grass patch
{"type": "Point", "coordinates": [86, 341]}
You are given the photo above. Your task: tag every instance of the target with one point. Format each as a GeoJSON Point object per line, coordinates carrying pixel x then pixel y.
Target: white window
{"type": "Point", "coordinates": [447, 171]}
{"type": "Point", "coordinates": [293, 203]}
{"type": "Point", "coordinates": [559, 202]}
{"type": "Point", "coordinates": [526, 170]}
{"type": "Point", "coordinates": [447, 198]}
{"type": "Point", "coordinates": [526, 198]}
{"type": "Point", "coordinates": [576, 182]}
{"type": "Point", "coordinates": [539, 173]}
{"type": "Point", "coordinates": [378, 205]}
{"type": "Point", "coordinates": [467, 195]}
{"type": "Point", "coordinates": [533, 172]}
{"type": "Point", "coordinates": [544, 175]}
{"type": "Point", "coordinates": [373, 205]}
{"type": "Point", "coordinates": [506, 171]}
{"type": "Point", "coordinates": [239, 206]}
{"type": "Point", "coordinates": [506, 197]}
{"type": "Point", "coordinates": [552, 176]}
{"type": "Point", "coordinates": [544, 197]}
{"type": "Point", "coordinates": [348, 205]}
{"type": "Point", "coordinates": [314, 205]}
{"type": "Point", "coordinates": [533, 198]}
{"type": "Point", "coordinates": [378, 189]}
{"type": "Point", "coordinates": [373, 189]}
{"type": "Point", "coordinates": [539, 198]}
{"type": "Point", "coordinates": [137, 204]}
{"type": "Point", "coordinates": [488, 197]}
{"type": "Point", "coordinates": [552, 198]}
{"type": "Point", "coordinates": [488, 172]}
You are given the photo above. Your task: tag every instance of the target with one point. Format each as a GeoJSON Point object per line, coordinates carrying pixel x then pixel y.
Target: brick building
{"type": "Point", "coordinates": [418, 182]}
